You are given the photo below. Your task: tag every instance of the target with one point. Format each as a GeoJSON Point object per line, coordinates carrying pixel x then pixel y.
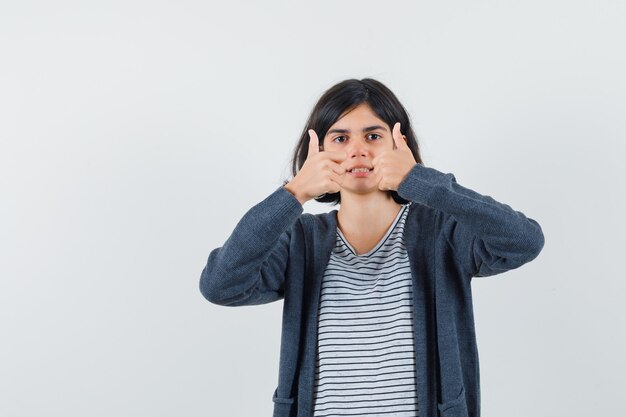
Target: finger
{"type": "Point", "coordinates": [335, 156]}
{"type": "Point", "coordinates": [379, 160]}
{"type": "Point", "coordinates": [375, 162]}
{"type": "Point", "coordinates": [346, 164]}
{"type": "Point", "coordinates": [314, 142]}
{"type": "Point", "coordinates": [339, 169]}
{"type": "Point", "coordinates": [338, 178]}
{"type": "Point", "coordinates": [377, 174]}
{"type": "Point", "coordinates": [395, 134]}
{"type": "Point", "coordinates": [398, 138]}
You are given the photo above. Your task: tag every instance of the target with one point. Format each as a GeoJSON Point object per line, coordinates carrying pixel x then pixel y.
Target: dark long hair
{"type": "Point", "coordinates": [343, 97]}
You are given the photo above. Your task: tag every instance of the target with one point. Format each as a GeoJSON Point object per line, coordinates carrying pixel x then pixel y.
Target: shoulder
{"type": "Point", "coordinates": [319, 222]}
{"type": "Point", "coordinates": [421, 213]}
{"type": "Point", "coordinates": [424, 222]}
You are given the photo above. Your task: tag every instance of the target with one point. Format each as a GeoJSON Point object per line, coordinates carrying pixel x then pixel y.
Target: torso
{"type": "Point", "coordinates": [366, 361]}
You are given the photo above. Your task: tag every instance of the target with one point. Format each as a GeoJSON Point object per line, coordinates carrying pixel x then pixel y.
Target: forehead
{"type": "Point", "coordinates": [359, 116]}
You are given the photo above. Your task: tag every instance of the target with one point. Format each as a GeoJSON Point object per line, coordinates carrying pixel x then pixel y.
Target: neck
{"type": "Point", "coordinates": [363, 213]}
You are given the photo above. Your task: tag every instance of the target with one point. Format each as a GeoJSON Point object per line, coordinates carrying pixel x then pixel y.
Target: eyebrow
{"type": "Point", "coordinates": [365, 129]}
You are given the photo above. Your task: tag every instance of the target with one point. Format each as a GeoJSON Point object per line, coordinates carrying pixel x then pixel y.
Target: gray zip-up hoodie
{"type": "Point", "coordinates": [452, 234]}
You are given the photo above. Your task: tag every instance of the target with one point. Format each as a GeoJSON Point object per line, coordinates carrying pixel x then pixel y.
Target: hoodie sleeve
{"type": "Point", "coordinates": [486, 236]}
{"type": "Point", "coordinates": [250, 267]}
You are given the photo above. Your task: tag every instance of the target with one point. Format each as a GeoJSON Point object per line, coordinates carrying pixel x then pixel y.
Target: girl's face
{"type": "Point", "coordinates": [362, 136]}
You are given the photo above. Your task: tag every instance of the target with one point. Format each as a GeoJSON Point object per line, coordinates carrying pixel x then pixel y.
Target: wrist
{"type": "Point", "coordinates": [299, 196]}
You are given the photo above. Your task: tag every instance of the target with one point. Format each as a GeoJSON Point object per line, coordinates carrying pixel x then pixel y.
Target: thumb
{"type": "Point", "coordinates": [398, 138]}
{"type": "Point", "coordinates": [314, 142]}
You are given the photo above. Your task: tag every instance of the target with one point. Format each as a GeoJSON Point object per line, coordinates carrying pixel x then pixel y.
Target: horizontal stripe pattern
{"type": "Point", "coordinates": [365, 362]}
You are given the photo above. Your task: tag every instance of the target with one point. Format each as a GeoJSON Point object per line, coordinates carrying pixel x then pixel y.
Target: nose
{"type": "Point", "coordinates": [358, 149]}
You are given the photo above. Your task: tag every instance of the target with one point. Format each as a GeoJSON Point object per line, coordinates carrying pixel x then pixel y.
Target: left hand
{"type": "Point", "coordinates": [392, 166]}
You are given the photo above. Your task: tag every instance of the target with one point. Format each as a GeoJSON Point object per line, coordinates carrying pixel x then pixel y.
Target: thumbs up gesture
{"type": "Point", "coordinates": [320, 174]}
{"type": "Point", "coordinates": [392, 166]}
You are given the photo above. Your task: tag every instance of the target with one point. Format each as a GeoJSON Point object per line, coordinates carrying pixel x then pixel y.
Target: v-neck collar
{"type": "Point", "coordinates": [380, 242]}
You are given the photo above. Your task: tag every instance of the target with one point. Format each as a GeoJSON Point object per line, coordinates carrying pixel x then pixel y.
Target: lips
{"type": "Point", "coordinates": [360, 166]}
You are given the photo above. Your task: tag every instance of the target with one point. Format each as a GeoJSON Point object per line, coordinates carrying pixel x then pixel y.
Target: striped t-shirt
{"type": "Point", "coordinates": [365, 362]}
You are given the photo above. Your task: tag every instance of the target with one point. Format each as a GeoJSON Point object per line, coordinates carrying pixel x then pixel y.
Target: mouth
{"type": "Point", "coordinates": [353, 170]}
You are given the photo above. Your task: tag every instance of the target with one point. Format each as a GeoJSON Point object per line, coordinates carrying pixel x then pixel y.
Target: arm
{"type": "Point", "coordinates": [250, 267]}
{"type": "Point", "coordinates": [486, 236]}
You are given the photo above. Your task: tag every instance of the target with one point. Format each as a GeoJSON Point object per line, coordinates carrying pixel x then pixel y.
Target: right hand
{"type": "Point", "coordinates": [320, 174]}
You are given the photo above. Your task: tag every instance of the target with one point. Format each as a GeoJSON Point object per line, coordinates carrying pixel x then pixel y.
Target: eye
{"type": "Point", "coordinates": [377, 137]}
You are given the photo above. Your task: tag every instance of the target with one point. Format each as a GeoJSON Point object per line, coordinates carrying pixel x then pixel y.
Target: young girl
{"type": "Point", "coordinates": [377, 313]}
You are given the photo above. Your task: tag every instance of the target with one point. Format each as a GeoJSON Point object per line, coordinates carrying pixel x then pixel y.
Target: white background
{"type": "Point", "coordinates": [135, 134]}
